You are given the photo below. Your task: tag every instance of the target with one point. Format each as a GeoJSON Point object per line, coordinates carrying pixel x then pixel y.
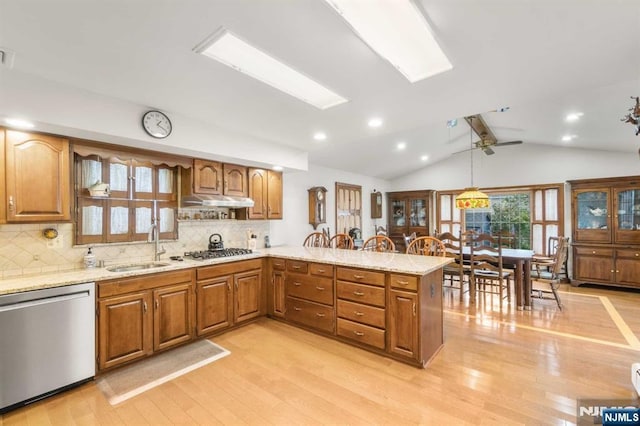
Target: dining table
{"type": "Point", "coordinates": [521, 259]}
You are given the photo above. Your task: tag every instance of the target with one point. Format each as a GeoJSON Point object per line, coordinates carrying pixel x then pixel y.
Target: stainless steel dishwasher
{"type": "Point", "coordinates": [47, 342]}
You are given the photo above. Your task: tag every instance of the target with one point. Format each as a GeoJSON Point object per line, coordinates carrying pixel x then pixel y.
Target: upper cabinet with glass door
{"type": "Point", "coordinates": [607, 210]}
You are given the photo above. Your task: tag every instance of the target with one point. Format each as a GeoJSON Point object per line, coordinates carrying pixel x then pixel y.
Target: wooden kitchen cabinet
{"type": "Point", "coordinates": [403, 323]}
{"type": "Point", "coordinates": [265, 189]}
{"type": "Point", "coordinates": [309, 290]}
{"type": "Point", "coordinates": [37, 177]}
{"type": "Point", "coordinates": [408, 213]}
{"type": "Point", "coordinates": [207, 177]}
{"type": "Point", "coordinates": [228, 294]}
{"type": "Point", "coordinates": [606, 231]}
{"type": "Point", "coordinates": [140, 315]}
{"type": "Point", "coordinates": [276, 297]}
{"type": "Point", "coordinates": [235, 180]}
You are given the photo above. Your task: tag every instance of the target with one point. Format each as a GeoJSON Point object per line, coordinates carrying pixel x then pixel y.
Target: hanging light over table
{"type": "Point", "coordinates": [472, 198]}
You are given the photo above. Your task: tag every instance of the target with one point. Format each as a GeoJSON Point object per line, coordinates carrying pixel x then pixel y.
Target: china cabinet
{"type": "Point", "coordinates": [606, 231]}
{"type": "Point", "coordinates": [408, 213]}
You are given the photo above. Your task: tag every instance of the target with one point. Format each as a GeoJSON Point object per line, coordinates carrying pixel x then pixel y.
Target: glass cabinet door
{"type": "Point", "coordinates": [118, 221]}
{"type": "Point", "coordinates": [119, 177]}
{"type": "Point", "coordinates": [167, 183]}
{"type": "Point", "coordinates": [593, 215]}
{"type": "Point", "coordinates": [91, 220]}
{"type": "Point", "coordinates": [143, 180]}
{"type": "Point", "coordinates": [90, 172]}
{"type": "Point", "coordinates": [399, 215]}
{"type": "Point", "coordinates": [418, 213]}
{"type": "Point", "coordinates": [627, 214]}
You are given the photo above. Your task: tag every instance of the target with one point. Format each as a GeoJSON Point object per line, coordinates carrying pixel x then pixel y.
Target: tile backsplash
{"type": "Point", "coordinates": [24, 250]}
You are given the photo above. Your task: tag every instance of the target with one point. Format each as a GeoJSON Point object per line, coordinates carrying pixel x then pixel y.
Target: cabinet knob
{"type": "Point", "coordinates": [617, 272]}
{"type": "Point", "coordinates": [637, 254]}
{"type": "Point", "coordinates": [593, 252]}
{"type": "Point", "coordinates": [612, 270]}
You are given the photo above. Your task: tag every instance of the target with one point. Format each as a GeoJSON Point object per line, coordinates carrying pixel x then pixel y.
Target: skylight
{"type": "Point", "coordinates": [397, 31]}
{"type": "Point", "coordinates": [228, 49]}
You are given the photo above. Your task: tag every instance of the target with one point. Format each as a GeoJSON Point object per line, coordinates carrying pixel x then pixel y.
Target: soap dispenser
{"type": "Point", "coordinates": [90, 259]}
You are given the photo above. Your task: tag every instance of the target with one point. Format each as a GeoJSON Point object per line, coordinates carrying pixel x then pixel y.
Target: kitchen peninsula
{"type": "Point", "coordinates": [387, 303]}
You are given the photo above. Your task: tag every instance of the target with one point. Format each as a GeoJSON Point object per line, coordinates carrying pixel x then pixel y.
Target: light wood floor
{"type": "Point", "coordinates": [498, 366]}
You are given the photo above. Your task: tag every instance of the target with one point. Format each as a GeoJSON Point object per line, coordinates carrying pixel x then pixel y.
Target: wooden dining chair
{"type": "Point", "coordinates": [458, 272]}
{"type": "Point", "coordinates": [379, 243]}
{"type": "Point", "coordinates": [408, 239]}
{"type": "Point", "coordinates": [341, 241]}
{"type": "Point", "coordinates": [487, 272]}
{"type": "Point", "coordinates": [550, 273]}
{"type": "Point", "coordinates": [427, 246]}
{"type": "Point", "coordinates": [315, 239]}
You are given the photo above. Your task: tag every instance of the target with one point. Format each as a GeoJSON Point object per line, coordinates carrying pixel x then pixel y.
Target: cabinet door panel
{"type": "Point", "coordinates": [277, 294]}
{"type": "Point", "coordinates": [124, 329]}
{"type": "Point", "coordinates": [37, 177]}
{"type": "Point", "coordinates": [214, 308]}
{"type": "Point", "coordinates": [172, 316]}
{"type": "Point", "coordinates": [592, 215]}
{"type": "Point", "coordinates": [207, 177]}
{"type": "Point", "coordinates": [628, 267]}
{"type": "Point", "coordinates": [593, 268]}
{"type": "Point", "coordinates": [403, 324]}
{"type": "Point", "coordinates": [248, 295]}
{"type": "Point", "coordinates": [144, 180]}
{"type": "Point", "coordinates": [258, 193]}
{"type": "Point", "coordinates": [274, 195]}
{"type": "Point", "coordinates": [235, 180]}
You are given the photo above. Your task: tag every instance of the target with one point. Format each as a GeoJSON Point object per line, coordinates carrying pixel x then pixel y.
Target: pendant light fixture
{"type": "Point", "coordinates": [472, 198]}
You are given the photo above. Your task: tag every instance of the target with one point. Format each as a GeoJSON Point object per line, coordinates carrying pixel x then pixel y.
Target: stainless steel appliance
{"type": "Point", "coordinates": [212, 254]}
{"type": "Point", "coordinates": [47, 342]}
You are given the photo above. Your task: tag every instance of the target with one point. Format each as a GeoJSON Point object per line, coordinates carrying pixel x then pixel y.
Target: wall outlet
{"type": "Point", "coordinates": [56, 243]}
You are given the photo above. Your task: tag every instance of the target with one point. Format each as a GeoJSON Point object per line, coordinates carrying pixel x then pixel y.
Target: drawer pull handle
{"type": "Point", "coordinates": [296, 267]}
{"type": "Point", "coordinates": [358, 333]}
{"type": "Point", "coordinates": [358, 293]}
{"type": "Point", "coordinates": [319, 314]}
{"type": "Point", "coordinates": [319, 288]}
{"type": "Point", "coordinates": [402, 282]}
{"type": "Point", "coordinates": [358, 314]}
{"type": "Point", "coordinates": [358, 277]}
{"type": "Point", "coordinates": [295, 308]}
{"type": "Point", "coordinates": [321, 271]}
{"type": "Point", "coordinates": [297, 284]}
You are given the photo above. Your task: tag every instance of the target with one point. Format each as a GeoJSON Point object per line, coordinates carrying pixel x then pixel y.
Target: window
{"type": "Point", "coordinates": [525, 217]}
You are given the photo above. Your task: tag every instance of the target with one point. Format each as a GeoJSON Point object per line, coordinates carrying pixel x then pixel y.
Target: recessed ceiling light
{"type": "Point", "coordinates": [375, 122]}
{"type": "Point", "coordinates": [320, 136]}
{"type": "Point", "coordinates": [18, 122]}
{"type": "Point", "coordinates": [568, 138]}
{"type": "Point", "coordinates": [401, 146]}
{"type": "Point", "coordinates": [398, 32]}
{"type": "Point", "coordinates": [424, 158]}
{"type": "Point", "coordinates": [241, 56]}
{"type": "Point", "coordinates": [278, 168]}
{"type": "Point", "coordinates": [574, 116]}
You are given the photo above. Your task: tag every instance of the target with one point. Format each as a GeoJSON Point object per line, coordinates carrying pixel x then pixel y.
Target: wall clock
{"type": "Point", "coordinates": [317, 205]}
{"type": "Point", "coordinates": [156, 124]}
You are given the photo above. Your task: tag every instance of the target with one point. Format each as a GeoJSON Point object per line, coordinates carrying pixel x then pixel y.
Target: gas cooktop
{"type": "Point", "coordinates": [213, 254]}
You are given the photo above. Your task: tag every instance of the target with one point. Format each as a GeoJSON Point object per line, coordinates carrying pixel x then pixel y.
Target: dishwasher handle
{"type": "Point", "coordinates": [44, 301]}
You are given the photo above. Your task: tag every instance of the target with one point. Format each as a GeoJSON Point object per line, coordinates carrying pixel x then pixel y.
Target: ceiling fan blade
{"type": "Point", "coordinates": [508, 143]}
{"type": "Point", "coordinates": [487, 150]}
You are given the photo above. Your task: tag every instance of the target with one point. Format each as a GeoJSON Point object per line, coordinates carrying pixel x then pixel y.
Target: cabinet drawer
{"type": "Point", "coordinates": [205, 272]}
{"type": "Point", "coordinates": [311, 288]}
{"type": "Point", "coordinates": [142, 282]}
{"type": "Point", "coordinates": [361, 276]}
{"type": "Point", "coordinates": [405, 282]}
{"type": "Point", "coordinates": [593, 251]}
{"type": "Point", "coordinates": [310, 314]}
{"type": "Point", "coordinates": [361, 333]}
{"type": "Point", "coordinates": [297, 266]}
{"type": "Point", "coordinates": [361, 313]}
{"type": "Point", "coordinates": [278, 264]}
{"type": "Point", "coordinates": [361, 293]}
{"type": "Point", "coordinates": [321, 269]}
{"type": "Point", "coordinates": [628, 254]}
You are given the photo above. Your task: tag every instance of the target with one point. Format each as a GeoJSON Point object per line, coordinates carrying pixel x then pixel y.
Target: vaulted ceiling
{"type": "Point", "coordinates": [541, 58]}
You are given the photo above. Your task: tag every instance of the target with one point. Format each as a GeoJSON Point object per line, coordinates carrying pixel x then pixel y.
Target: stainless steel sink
{"type": "Point", "coordinates": [136, 266]}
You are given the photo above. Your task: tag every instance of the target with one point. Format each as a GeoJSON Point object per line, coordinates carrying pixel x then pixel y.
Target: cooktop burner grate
{"type": "Point", "coordinates": [213, 254]}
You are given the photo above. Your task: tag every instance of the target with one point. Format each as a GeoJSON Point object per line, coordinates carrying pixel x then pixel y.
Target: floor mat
{"type": "Point", "coordinates": [141, 376]}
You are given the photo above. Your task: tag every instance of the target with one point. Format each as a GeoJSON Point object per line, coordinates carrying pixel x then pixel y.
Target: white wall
{"type": "Point", "coordinates": [295, 226]}
{"type": "Point", "coordinates": [520, 165]}
{"type": "Point", "coordinates": [73, 112]}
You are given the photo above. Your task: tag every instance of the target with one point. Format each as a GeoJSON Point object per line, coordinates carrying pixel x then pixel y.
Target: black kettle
{"type": "Point", "coordinates": [215, 242]}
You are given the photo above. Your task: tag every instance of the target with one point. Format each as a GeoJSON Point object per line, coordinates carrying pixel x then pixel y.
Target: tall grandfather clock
{"type": "Point", "coordinates": [317, 205]}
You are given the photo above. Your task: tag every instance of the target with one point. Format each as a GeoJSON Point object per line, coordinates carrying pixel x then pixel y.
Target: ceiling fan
{"type": "Point", "coordinates": [487, 138]}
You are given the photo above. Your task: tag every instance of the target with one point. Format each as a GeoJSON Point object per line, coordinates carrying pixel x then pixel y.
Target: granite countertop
{"type": "Point", "coordinates": [391, 262]}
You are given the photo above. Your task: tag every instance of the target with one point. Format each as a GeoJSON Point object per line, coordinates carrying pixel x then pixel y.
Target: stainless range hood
{"type": "Point", "coordinates": [201, 200]}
